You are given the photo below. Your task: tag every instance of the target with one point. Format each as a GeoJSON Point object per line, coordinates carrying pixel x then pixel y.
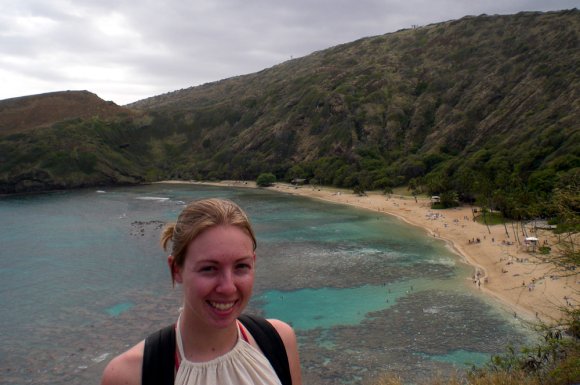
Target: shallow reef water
{"type": "Point", "coordinates": [83, 278]}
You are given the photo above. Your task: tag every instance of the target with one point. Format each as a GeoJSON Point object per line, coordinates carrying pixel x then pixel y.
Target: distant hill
{"type": "Point", "coordinates": [23, 113]}
{"type": "Point", "coordinates": [484, 106]}
{"type": "Point", "coordinates": [52, 141]}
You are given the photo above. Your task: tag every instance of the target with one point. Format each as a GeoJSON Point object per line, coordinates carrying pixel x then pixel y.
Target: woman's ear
{"type": "Point", "coordinates": [174, 270]}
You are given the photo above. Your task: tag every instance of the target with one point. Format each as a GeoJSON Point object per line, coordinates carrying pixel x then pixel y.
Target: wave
{"type": "Point", "coordinates": [160, 199]}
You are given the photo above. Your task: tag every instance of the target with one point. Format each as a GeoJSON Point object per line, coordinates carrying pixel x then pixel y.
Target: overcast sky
{"type": "Point", "coordinates": [127, 50]}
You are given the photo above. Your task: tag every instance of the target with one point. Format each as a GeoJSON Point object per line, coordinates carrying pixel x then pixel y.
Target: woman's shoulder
{"type": "Point", "coordinates": [282, 328]}
{"type": "Point", "coordinates": [288, 335]}
{"type": "Point", "coordinates": [125, 368]}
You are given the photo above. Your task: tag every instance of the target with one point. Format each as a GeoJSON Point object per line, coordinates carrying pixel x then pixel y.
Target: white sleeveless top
{"type": "Point", "coordinates": [243, 365]}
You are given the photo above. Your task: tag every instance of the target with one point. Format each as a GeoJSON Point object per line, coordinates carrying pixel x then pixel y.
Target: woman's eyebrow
{"type": "Point", "coordinates": [217, 262]}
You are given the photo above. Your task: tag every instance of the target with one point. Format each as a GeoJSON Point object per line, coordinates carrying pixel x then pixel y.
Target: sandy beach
{"type": "Point", "coordinates": [522, 280]}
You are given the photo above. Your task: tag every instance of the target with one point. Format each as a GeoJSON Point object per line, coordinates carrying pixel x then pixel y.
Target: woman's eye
{"type": "Point", "coordinates": [207, 269]}
{"type": "Point", "coordinates": [244, 266]}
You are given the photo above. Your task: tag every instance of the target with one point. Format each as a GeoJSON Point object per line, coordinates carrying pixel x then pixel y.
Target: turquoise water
{"type": "Point", "coordinates": [329, 307]}
{"type": "Point", "coordinates": [82, 277]}
{"type": "Point", "coordinates": [119, 308]}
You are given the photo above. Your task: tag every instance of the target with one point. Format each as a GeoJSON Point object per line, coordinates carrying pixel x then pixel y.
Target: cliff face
{"type": "Point", "coordinates": [488, 98]}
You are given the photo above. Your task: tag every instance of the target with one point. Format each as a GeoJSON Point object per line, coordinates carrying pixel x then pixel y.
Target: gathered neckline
{"type": "Point", "coordinates": [240, 341]}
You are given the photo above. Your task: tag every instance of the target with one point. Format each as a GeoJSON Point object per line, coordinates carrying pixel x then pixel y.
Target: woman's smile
{"type": "Point", "coordinates": [222, 306]}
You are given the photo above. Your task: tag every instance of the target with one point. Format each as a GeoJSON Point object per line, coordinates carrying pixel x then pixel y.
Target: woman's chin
{"type": "Point", "coordinates": [223, 318]}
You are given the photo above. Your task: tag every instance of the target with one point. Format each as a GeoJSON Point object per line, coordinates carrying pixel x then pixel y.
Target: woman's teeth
{"type": "Point", "coordinates": [222, 306]}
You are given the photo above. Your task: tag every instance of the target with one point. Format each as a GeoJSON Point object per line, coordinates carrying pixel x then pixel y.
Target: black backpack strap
{"type": "Point", "coordinates": [159, 358]}
{"type": "Point", "coordinates": [159, 352]}
{"type": "Point", "coordinates": [271, 345]}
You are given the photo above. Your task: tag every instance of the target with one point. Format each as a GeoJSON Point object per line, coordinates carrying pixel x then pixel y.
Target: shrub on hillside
{"type": "Point", "coordinates": [265, 179]}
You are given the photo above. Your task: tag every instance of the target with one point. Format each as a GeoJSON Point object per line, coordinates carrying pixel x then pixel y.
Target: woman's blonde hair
{"type": "Point", "coordinates": [199, 216]}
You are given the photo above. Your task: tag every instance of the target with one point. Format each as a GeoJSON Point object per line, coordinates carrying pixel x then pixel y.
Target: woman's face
{"type": "Point", "coordinates": [217, 276]}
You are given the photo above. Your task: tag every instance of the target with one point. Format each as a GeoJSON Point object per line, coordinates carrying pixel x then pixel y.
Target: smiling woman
{"type": "Point", "coordinates": [217, 277]}
{"type": "Point", "coordinates": [213, 259]}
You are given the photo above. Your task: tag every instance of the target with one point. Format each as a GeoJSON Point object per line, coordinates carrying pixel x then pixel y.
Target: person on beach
{"type": "Point", "coordinates": [213, 259]}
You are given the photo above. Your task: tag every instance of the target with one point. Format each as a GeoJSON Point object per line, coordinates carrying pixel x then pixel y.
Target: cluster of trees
{"type": "Point", "coordinates": [516, 187]}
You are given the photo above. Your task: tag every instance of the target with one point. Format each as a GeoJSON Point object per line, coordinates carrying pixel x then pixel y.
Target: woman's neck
{"type": "Point", "coordinates": [202, 343]}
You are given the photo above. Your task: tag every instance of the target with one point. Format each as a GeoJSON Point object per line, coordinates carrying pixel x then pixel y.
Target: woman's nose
{"type": "Point", "coordinates": [226, 283]}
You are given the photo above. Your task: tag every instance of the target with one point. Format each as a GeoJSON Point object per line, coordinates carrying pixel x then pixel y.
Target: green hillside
{"type": "Point", "coordinates": [483, 107]}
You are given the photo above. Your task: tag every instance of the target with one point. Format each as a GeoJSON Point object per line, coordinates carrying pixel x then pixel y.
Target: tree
{"type": "Point", "coordinates": [265, 179]}
{"type": "Point", "coordinates": [296, 172]}
{"type": "Point", "coordinates": [449, 199]}
{"type": "Point", "coordinates": [566, 203]}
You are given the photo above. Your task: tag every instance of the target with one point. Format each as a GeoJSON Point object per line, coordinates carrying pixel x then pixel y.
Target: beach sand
{"type": "Point", "coordinates": [524, 282]}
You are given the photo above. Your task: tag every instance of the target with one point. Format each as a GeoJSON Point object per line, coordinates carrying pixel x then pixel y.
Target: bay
{"type": "Point", "coordinates": [82, 278]}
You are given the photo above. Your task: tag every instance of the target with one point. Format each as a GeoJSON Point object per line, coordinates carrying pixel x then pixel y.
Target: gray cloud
{"type": "Point", "coordinates": [125, 51]}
